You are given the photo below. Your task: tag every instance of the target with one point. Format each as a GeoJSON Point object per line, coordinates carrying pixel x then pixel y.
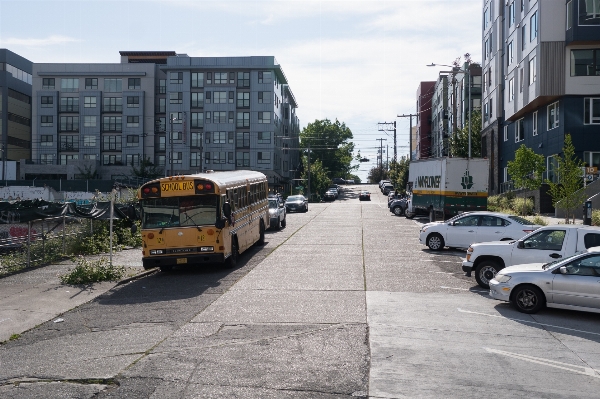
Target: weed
{"type": "Point", "coordinates": [92, 271]}
{"type": "Point", "coordinates": [14, 337]}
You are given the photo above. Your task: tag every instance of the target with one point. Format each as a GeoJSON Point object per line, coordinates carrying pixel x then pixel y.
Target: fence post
{"type": "Point", "coordinates": [29, 244]}
{"type": "Point", "coordinates": [64, 246]}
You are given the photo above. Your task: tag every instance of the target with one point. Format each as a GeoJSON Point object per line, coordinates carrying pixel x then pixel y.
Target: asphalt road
{"type": "Point", "coordinates": [344, 302]}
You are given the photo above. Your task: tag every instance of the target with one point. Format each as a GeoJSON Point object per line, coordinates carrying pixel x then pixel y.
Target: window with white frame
{"type": "Point", "coordinates": [532, 71]}
{"type": "Point", "coordinates": [505, 174]}
{"type": "Point", "coordinates": [521, 79]}
{"type": "Point", "coordinates": [569, 14]}
{"type": "Point", "coordinates": [551, 168]}
{"type": "Point", "coordinates": [533, 26]}
{"type": "Point", "coordinates": [511, 89]}
{"type": "Point", "coordinates": [535, 123]}
{"type": "Point", "coordinates": [589, 12]}
{"type": "Point", "coordinates": [553, 116]}
{"type": "Point", "coordinates": [511, 13]}
{"type": "Point", "coordinates": [505, 133]}
{"type": "Point", "coordinates": [510, 54]}
{"type": "Point", "coordinates": [591, 111]}
{"type": "Point", "coordinates": [520, 130]}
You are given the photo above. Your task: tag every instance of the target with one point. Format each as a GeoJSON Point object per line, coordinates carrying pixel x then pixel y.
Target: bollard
{"type": "Point", "coordinates": [587, 213]}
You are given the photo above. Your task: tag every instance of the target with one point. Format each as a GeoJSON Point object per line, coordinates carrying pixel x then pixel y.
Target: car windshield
{"type": "Point", "coordinates": [179, 211]}
{"type": "Point", "coordinates": [272, 204]}
{"type": "Point", "coordinates": [520, 220]}
{"type": "Point", "coordinates": [294, 198]}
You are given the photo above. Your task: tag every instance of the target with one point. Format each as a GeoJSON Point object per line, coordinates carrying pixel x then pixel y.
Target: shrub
{"type": "Point", "coordinates": [596, 217]}
{"type": "Point", "coordinates": [523, 206]}
{"type": "Point", "coordinates": [537, 219]}
{"type": "Point", "coordinates": [493, 203]}
{"type": "Point", "coordinates": [92, 271]}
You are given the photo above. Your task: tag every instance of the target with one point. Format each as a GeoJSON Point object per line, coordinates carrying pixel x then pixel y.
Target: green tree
{"type": "Point", "coordinates": [527, 169]}
{"type": "Point", "coordinates": [147, 169]}
{"type": "Point", "coordinates": [356, 179]}
{"type": "Point", "coordinates": [459, 141]}
{"type": "Point", "coordinates": [376, 174]}
{"type": "Point", "coordinates": [398, 174]}
{"type": "Point", "coordinates": [319, 180]}
{"type": "Point", "coordinates": [567, 193]}
{"type": "Point", "coordinates": [330, 143]}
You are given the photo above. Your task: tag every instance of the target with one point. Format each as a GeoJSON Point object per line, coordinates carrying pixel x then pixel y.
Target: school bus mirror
{"type": "Point", "coordinates": [227, 210]}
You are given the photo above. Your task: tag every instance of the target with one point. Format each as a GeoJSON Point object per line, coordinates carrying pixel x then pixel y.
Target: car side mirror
{"type": "Point", "coordinates": [563, 270]}
{"type": "Point", "coordinates": [227, 210]}
{"type": "Point", "coordinates": [520, 244]}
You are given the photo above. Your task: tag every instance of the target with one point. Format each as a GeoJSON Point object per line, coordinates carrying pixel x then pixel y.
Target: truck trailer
{"type": "Point", "coordinates": [445, 187]}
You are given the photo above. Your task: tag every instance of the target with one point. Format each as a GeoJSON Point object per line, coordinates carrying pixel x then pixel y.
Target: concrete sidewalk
{"type": "Point", "coordinates": [36, 295]}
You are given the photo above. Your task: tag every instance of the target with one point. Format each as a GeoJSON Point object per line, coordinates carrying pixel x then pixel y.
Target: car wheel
{"type": "Point", "coordinates": [398, 211]}
{"type": "Point", "coordinates": [283, 222]}
{"type": "Point", "coordinates": [278, 226]}
{"type": "Point", "coordinates": [306, 209]}
{"type": "Point", "coordinates": [409, 215]}
{"type": "Point", "coordinates": [435, 242]}
{"type": "Point", "coordinates": [528, 299]}
{"type": "Point", "coordinates": [486, 271]}
{"type": "Point", "coordinates": [231, 262]}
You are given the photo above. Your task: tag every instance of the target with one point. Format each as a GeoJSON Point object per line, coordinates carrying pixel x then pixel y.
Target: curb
{"type": "Point", "coordinates": [137, 276]}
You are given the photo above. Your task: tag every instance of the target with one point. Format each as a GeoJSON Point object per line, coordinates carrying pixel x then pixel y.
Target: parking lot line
{"type": "Point", "coordinates": [526, 321]}
{"type": "Point", "coordinates": [547, 362]}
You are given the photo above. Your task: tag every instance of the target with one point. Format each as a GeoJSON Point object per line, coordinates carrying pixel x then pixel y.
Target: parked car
{"type": "Point", "coordinates": [570, 283]}
{"type": "Point", "coordinates": [546, 244]}
{"type": "Point", "coordinates": [392, 196]}
{"type": "Point", "coordinates": [338, 180]}
{"type": "Point", "coordinates": [387, 188]}
{"type": "Point", "coordinates": [462, 231]}
{"type": "Point", "coordinates": [277, 213]}
{"type": "Point", "coordinates": [364, 196]}
{"type": "Point", "coordinates": [350, 181]}
{"type": "Point", "coordinates": [329, 196]}
{"type": "Point", "coordinates": [398, 206]}
{"type": "Point", "coordinates": [382, 182]}
{"type": "Point", "coordinates": [296, 203]}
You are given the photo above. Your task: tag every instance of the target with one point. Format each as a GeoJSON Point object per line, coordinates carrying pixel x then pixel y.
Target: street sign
{"type": "Point", "coordinates": [589, 177]}
{"type": "Point", "coordinates": [299, 188]}
{"type": "Point", "coordinates": [591, 170]}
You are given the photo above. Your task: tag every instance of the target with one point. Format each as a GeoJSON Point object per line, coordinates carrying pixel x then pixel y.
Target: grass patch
{"type": "Point", "coordinates": [92, 271]}
{"type": "Point", "coordinates": [14, 337]}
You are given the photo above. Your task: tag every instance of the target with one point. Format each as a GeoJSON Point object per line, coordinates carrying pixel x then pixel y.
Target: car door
{"type": "Point", "coordinates": [580, 286]}
{"type": "Point", "coordinates": [491, 228]}
{"type": "Point", "coordinates": [541, 247]}
{"type": "Point", "coordinates": [462, 232]}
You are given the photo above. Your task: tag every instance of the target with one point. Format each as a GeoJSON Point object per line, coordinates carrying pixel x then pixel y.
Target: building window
{"type": "Point", "coordinates": [231, 97]}
{"type": "Point", "coordinates": [243, 79]}
{"type": "Point", "coordinates": [489, 80]}
{"type": "Point", "coordinates": [553, 116]}
{"type": "Point", "coordinates": [486, 17]}
{"type": "Point", "coordinates": [69, 85]}
{"type": "Point", "coordinates": [111, 143]}
{"type": "Point", "coordinates": [533, 27]}
{"type": "Point", "coordinates": [133, 101]}
{"type": "Point", "coordinates": [134, 83]}
{"type": "Point", "coordinates": [219, 137]}
{"type": "Point", "coordinates": [264, 97]}
{"type": "Point", "coordinates": [91, 83]}
{"type": "Point", "coordinates": [113, 104]}
{"type": "Point", "coordinates": [242, 140]}
{"type": "Point", "coordinates": [89, 102]}
{"type": "Point", "coordinates": [132, 159]}
{"type": "Point", "coordinates": [162, 86]}
{"type": "Point", "coordinates": [160, 160]}
{"type": "Point", "coordinates": [264, 117]}
{"type": "Point", "coordinates": [511, 14]}
{"type": "Point", "coordinates": [89, 141]}
{"type": "Point", "coordinates": [47, 102]}
{"type": "Point", "coordinates": [89, 121]}
{"type": "Point", "coordinates": [177, 136]}
{"type": "Point", "coordinates": [207, 157]}
{"type": "Point", "coordinates": [532, 71]}
{"type": "Point", "coordinates": [176, 98]}
{"type": "Point", "coordinates": [220, 117]}
{"type": "Point", "coordinates": [491, 108]}
{"type": "Point", "coordinates": [591, 111]}
{"type": "Point", "coordinates": [162, 106]}
{"type": "Point", "coordinates": [243, 119]}
{"type": "Point", "coordinates": [589, 12]}
{"type": "Point", "coordinates": [219, 157]}
{"type": "Point", "coordinates": [230, 158]}
{"type": "Point", "coordinates": [264, 158]}
{"type": "Point", "coordinates": [485, 112]}
{"type": "Point", "coordinates": [48, 84]}
{"type": "Point", "coordinates": [197, 100]}
{"type": "Point", "coordinates": [197, 119]}
{"type": "Point", "coordinates": [46, 140]}
{"type": "Point", "coordinates": [242, 159]}
{"type": "Point", "coordinates": [64, 158]}
{"type": "Point", "coordinates": [505, 174]}
{"type": "Point", "coordinates": [264, 137]}
{"type": "Point", "coordinates": [520, 131]}
{"type": "Point", "coordinates": [265, 77]}
{"type": "Point", "coordinates": [585, 62]}
{"type": "Point", "coordinates": [505, 133]}
{"type": "Point", "coordinates": [176, 117]}
{"type": "Point", "coordinates": [208, 78]}
{"type": "Point", "coordinates": [197, 79]}
{"type": "Point", "coordinates": [243, 99]}
{"type": "Point", "coordinates": [112, 124]}
{"type": "Point", "coordinates": [591, 158]}
{"type": "Point", "coordinates": [111, 160]}
{"type": "Point", "coordinates": [487, 50]}
{"type": "Point", "coordinates": [521, 79]}
{"type": "Point", "coordinates": [509, 54]}
{"type": "Point", "coordinates": [69, 143]}
{"type": "Point", "coordinates": [219, 97]}
{"type": "Point", "coordinates": [535, 123]}
{"type": "Point", "coordinates": [523, 36]}
{"type": "Point", "coordinates": [113, 85]}
{"type": "Point", "coordinates": [220, 78]}
{"type": "Point", "coordinates": [231, 78]}
{"type": "Point", "coordinates": [47, 120]}
{"type": "Point", "coordinates": [133, 121]}
{"type": "Point", "coordinates": [176, 77]}
{"type": "Point", "coordinates": [511, 89]}
{"type": "Point", "coordinates": [69, 123]}
{"type": "Point", "coordinates": [69, 104]}
{"type": "Point", "coordinates": [551, 166]}
{"type": "Point", "coordinates": [195, 159]}
{"type": "Point", "coordinates": [569, 15]}
{"type": "Point", "coordinates": [196, 140]}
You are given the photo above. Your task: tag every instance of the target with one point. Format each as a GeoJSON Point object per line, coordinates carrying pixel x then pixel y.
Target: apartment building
{"type": "Point", "coordinates": [551, 80]}
{"type": "Point", "coordinates": [423, 125]}
{"type": "Point", "coordinates": [439, 118]}
{"type": "Point", "coordinates": [184, 114]}
{"type": "Point", "coordinates": [15, 108]}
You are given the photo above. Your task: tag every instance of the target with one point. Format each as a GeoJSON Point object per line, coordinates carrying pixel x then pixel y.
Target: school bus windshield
{"type": "Point", "coordinates": [179, 211]}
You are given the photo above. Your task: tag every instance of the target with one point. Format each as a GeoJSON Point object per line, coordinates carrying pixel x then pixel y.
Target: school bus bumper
{"type": "Point", "coordinates": [194, 259]}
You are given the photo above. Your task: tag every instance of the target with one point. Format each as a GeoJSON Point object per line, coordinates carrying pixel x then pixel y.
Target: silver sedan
{"type": "Point", "coordinates": [570, 283]}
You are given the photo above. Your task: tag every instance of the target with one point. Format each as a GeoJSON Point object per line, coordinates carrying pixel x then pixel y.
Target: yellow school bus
{"type": "Point", "coordinates": [202, 218]}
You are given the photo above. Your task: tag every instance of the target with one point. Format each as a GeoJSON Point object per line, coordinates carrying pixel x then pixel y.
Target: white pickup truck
{"type": "Point", "coordinates": [546, 244]}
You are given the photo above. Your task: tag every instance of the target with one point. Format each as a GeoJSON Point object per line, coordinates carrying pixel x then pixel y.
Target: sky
{"type": "Point", "coordinates": [356, 61]}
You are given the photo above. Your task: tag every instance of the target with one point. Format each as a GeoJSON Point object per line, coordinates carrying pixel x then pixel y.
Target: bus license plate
{"type": "Point", "coordinates": [181, 260]}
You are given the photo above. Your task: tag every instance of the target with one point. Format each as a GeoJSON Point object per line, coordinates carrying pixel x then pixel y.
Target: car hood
{"type": "Point", "coordinates": [526, 267]}
{"type": "Point", "coordinates": [427, 225]}
{"type": "Point", "coordinates": [295, 202]}
{"type": "Point", "coordinates": [486, 243]}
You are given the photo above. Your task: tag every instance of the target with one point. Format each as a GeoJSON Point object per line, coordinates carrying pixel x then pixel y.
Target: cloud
{"type": "Point", "coordinates": [47, 41]}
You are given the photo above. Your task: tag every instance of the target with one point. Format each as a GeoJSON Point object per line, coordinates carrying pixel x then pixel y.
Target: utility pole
{"type": "Point", "coordinates": [308, 169]}
{"type": "Point", "coordinates": [381, 151]}
{"type": "Point", "coordinates": [384, 128]}
{"type": "Point", "coordinates": [409, 133]}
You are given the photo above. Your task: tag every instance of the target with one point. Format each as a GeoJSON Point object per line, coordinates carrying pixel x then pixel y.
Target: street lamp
{"type": "Point", "coordinates": [467, 73]}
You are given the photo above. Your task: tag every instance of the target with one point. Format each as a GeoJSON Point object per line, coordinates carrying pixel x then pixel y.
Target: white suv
{"type": "Point", "coordinates": [276, 213]}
